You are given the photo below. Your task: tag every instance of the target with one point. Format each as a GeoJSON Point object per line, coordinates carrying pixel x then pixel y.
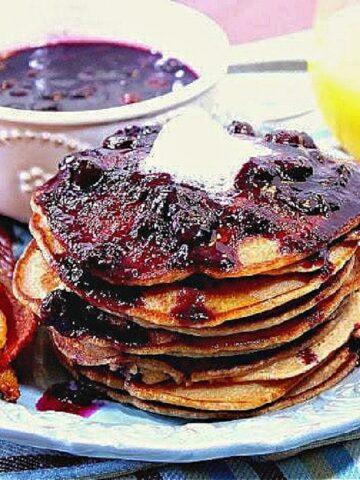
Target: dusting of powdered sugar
{"type": "Point", "coordinates": [195, 149]}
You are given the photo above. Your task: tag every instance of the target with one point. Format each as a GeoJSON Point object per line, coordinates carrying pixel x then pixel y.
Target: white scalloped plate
{"type": "Point", "coordinates": [117, 431]}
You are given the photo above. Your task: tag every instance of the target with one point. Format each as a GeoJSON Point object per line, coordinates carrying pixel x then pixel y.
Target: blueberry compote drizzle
{"type": "Point", "coordinates": [70, 397]}
{"type": "Point", "coordinates": [87, 75]}
{"type": "Point", "coordinates": [99, 290]}
{"type": "Point", "coordinates": [118, 221]}
{"type": "Point", "coordinates": [307, 356]}
{"type": "Point", "coordinates": [190, 306]}
{"type": "Point", "coordinates": [72, 317]}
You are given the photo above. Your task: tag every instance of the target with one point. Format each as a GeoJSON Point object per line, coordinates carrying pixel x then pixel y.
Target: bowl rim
{"type": "Point", "coordinates": [141, 109]}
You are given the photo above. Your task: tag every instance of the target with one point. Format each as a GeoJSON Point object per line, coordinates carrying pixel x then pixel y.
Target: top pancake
{"type": "Point", "coordinates": [114, 219]}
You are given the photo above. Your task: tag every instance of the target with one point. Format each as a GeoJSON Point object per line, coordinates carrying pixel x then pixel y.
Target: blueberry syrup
{"type": "Point", "coordinates": [118, 222]}
{"type": "Point", "coordinates": [321, 260]}
{"type": "Point", "coordinates": [307, 356]}
{"type": "Point", "coordinates": [72, 317]}
{"type": "Point", "coordinates": [290, 137]}
{"type": "Point", "coordinates": [318, 260]}
{"type": "Point", "coordinates": [190, 306]}
{"type": "Point", "coordinates": [237, 127]}
{"type": "Point", "coordinates": [88, 75]}
{"type": "Point", "coordinates": [70, 397]}
{"type": "Point", "coordinates": [101, 291]}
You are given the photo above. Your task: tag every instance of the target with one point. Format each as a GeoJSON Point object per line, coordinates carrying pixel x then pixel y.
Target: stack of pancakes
{"type": "Point", "coordinates": [197, 303]}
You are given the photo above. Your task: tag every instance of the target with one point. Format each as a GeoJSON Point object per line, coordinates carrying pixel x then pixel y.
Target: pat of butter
{"type": "Point", "coordinates": [195, 149]}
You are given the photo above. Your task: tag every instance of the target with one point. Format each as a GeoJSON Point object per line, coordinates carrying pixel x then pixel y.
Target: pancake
{"type": "Point", "coordinates": [285, 402]}
{"type": "Point", "coordinates": [302, 356]}
{"type": "Point", "coordinates": [70, 302]}
{"type": "Point", "coordinates": [326, 375]}
{"type": "Point", "coordinates": [94, 331]}
{"type": "Point", "coordinates": [31, 294]}
{"type": "Point", "coordinates": [220, 397]}
{"type": "Point", "coordinates": [7, 264]}
{"type": "Point", "coordinates": [272, 317]}
{"type": "Point", "coordinates": [322, 259]}
{"type": "Point", "coordinates": [51, 249]}
{"type": "Point", "coordinates": [232, 396]}
{"type": "Point", "coordinates": [320, 379]}
{"type": "Point", "coordinates": [198, 303]}
{"type": "Point", "coordinates": [292, 361]}
{"type": "Point", "coordinates": [151, 369]}
{"type": "Point", "coordinates": [326, 370]}
{"type": "Point", "coordinates": [127, 224]}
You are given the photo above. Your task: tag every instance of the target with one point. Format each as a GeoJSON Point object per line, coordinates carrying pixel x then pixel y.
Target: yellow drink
{"type": "Point", "coordinates": [335, 70]}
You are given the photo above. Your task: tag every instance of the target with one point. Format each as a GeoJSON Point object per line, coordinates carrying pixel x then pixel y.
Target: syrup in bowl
{"type": "Point", "coordinates": [86, 75]}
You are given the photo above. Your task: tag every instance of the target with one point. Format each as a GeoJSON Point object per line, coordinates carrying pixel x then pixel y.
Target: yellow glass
{"type": "Point", "coordinates": [335, 69]}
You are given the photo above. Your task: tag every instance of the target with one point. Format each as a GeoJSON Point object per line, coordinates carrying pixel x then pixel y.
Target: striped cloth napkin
{"type": "Point", "coordinates": [338, 462]}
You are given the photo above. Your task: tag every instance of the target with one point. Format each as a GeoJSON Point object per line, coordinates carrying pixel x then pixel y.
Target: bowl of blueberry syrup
{"type": "Point", "coordinates": [81, 70]}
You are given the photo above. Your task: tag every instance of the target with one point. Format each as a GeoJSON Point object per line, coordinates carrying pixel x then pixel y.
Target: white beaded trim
{"type": "Point", "coordinates": [15, 134]}
{"type": "Point", "coordinates": [30, 179]}
{"type": "Point", "coordinates": [35, 176]}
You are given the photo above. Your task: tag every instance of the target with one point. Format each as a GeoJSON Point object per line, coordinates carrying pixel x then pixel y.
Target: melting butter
{"type": "Point", "coordinates": [195, 149]}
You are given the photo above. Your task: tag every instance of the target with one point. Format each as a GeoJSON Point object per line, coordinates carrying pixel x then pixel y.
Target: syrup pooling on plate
{"type": "Point", "coordinates": [70, 397]}
{"type": "Point", "coordinates": [88, 75]}
{"type": "Point", "coordinates": [126, 222]}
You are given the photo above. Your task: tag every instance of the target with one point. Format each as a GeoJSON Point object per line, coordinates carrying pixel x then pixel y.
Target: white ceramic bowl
{"type": "Point", "coordinates": [31, 143]}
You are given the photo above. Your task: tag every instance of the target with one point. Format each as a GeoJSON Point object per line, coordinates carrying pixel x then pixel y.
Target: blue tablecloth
{"type": "Point", "coordinates": [341, 461]}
